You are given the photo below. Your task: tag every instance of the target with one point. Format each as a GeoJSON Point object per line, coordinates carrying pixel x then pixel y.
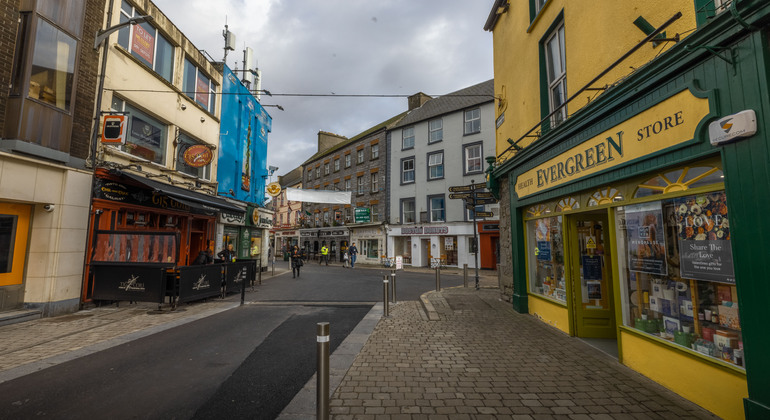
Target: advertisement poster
{"type": "Point", "coordinates": [646, 240]}
{"type": "Point", "coordinates": [246, 160]}
{"type": "Point", "coordinates": [592, 267]}
{"type": "Point", "coordinates": [202, 90]}
{"type": "Point", "coordinates": [143, 43]}
{"type": "Point", "coordinates": [704, 237]}
{"type": "Point", "coordinates": [543, 251]}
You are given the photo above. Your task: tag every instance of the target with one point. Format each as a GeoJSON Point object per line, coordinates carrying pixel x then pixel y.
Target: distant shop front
{"type": "Point", "coordinates": [419, 244]}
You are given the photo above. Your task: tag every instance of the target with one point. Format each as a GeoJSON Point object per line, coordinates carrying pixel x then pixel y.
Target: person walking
{"type": "Point", "coordinates": [345, 260]}
{"type": "Point", "coordinates": [353, 252]}
{"type": "Point", "coordinates": [296, 261]}
{"type": "Point", "coordinates": [324, 255]}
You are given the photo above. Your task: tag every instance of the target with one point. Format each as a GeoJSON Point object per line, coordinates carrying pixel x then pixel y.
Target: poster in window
{"type": "Point", "coordinates": [646, 239]}
{"type": "Point", "coordinates": [703, 229]}
{"type": "Point", "coordinates": [144, 132]}
{"type": "Point", "coordinates": [202, 91]}
{"type": "Point", "coordinates": [143, 43]}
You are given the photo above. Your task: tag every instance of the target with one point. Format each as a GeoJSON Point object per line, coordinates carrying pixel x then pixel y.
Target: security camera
{"type": "Point", "coordinates": [203, 119]}
{"type": "Point", "coordinates": [49, 207]}
{"type": "Point", "coordinates": [184, 107]}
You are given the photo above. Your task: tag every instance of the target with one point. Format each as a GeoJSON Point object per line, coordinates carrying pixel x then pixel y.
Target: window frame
{"type": "Point", "coordinates": [128, 32]}
{"type": "Point", "coordinates": [559, 81]}
{"type": "Point", "coordinates": [326, 168]}
{"type": "Point", "coordinates": [187, 64]}
{"type": "Point", "coordinates": [374, 151]}
{"type": "Point", "coordinates": [360, 185]}
{"type": "Point", "coordinates": [337, 165]}
{"type": "Point", "coordinates": [432, 130]}
{"type": "Point", "coordinates": [164, 128]}
{"type": "Point", "coordinates": [468, 124]}
{"type": "Point", "coordinates": [413, 170]}
{"type": "Point", "coordinates": [430, 207]}
{"type": "Point", "coordinates": [374, 183]}
{"type": "Point", "coordinates": [360, 156]}
{"type": "Point", "coordinates": [203, 172]}
{"type": "Point", "coordinates": [404, 136]}
{"type": "Point", "coordinates": [480, 146]}
{"type": "Point", "coordinates": [429, 166]}
{"type": "Point", "coordinates": [348, 160]}
{"type": "Point", "coordinates": [402, 212]}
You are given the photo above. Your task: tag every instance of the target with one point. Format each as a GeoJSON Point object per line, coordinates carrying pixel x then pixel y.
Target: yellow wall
{"type": "Point", "coordinates": [551, 313]}
{"type": "Point", "coordinates": [597, 33]}
{"type": "Point", "coordinates": [717, 389]}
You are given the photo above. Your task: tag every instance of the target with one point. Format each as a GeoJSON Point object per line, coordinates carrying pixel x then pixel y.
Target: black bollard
{"type": "Point", "coordinates": [322, 368]}
{"type": "Point", "coordinates": [385, 308]}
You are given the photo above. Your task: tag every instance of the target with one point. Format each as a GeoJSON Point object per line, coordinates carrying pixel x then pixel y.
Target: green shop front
{"type": "Point", "coordinates": [630, 227]}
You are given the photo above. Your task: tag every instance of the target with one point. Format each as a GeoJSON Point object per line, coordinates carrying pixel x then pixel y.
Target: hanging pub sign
{"type": "Point", "coordinates": [114, 129]}
{"type": "Point", "coordinates": [646, 240]}
{"type": "Point", "coordinates": [198, 156]}
{"type": "Point", "coordinates": [704, 237]}
{"type": "Point", "coordinates": [273, 189]}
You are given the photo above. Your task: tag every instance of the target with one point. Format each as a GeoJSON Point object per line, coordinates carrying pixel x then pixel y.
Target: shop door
{"type": "Point", "coordinates": [14, 231]}
{"type": "Point", "coordinates": [425, 257]}
{"type": "Point", "coordinates": [593, 314]}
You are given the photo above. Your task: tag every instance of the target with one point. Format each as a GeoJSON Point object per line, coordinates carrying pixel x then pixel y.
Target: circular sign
{"type": "Point", "coordinates": [273, 189]}
{"type": "Point", "coordinates": [255, 217]}
{"type": "Point", "coordinates": [198, 155]}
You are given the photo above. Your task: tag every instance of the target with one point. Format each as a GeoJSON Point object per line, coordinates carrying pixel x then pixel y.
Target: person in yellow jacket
{"type": "Point", "coordinates": [324, 255]}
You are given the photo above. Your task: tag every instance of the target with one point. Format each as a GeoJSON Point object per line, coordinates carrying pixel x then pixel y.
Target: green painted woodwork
{"type": "Point", "coordinates": [740, 86]}
{"type": "Point", "coordinates": [647, 28]}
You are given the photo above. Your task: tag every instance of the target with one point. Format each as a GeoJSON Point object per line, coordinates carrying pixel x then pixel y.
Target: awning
{"type": "Point", "coordinates": [191, 198]}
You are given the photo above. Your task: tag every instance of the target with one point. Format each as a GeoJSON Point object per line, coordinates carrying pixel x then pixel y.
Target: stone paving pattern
{"type": "Point", "coordinates": [481, 360]}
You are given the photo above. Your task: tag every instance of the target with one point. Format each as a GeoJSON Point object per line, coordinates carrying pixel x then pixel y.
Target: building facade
{"type": "Point", "coordinates": [45, 124]}
{"type": "Point", "coordinates": [439, 144]}
{"type": "Point", "coordinates": [630, 171]}
{"type": "Point", "coordinates": [154, 199]}
{"type": "Point", "coordinates": [287, 214]}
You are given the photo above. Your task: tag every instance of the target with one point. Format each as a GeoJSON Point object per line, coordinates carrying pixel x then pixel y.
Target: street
{"type": "Point", "coordinates": [247, 362]}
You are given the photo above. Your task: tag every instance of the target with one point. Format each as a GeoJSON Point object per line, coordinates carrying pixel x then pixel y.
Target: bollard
{"type": "Point", "coordinates": [438, 278]}
{"type": "Point", "coordinates": [385, 308]}
{"type": "Point", "coordinates": [259, 273]}
{"type": "Point", "coordinates": [273, 266]}
{"type": "Point", "coordinates": [465, 275]}
{"type": "Point", "coordinates": [393, 280]}
{"type": "Point", "coordinates": [243, 291]}
{"type": "Point", "coordinates": [322, 367]}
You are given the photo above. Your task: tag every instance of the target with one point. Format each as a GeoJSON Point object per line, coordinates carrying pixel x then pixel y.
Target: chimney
{"type": "Point", "coordinates": [417, 100]}
{"type": "Point", "coordinates": [327, 140]}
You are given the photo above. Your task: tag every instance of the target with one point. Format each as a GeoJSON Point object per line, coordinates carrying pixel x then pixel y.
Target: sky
{"type": "Point", "coordinates": [342, 47]}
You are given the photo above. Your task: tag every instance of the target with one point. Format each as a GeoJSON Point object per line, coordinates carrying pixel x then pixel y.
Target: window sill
{"type": "Point", "coordinates": [435, 179]}
{"type": "Point", "coordinates": [472, 133]}
{"type": "Point", "coordinates": [547, 299]}
{"type": "Point", "coordinates": [538, 16]}
{"type": "Point", "coordinates": [407, 183]}
{"type": "Point", "coordinates": [408, 148]}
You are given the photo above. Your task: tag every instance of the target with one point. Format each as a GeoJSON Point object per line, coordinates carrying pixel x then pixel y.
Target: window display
{"type": "Point", "coordinates": [546, 258]}
{"type": "Point", "coordinates": [677, 278]}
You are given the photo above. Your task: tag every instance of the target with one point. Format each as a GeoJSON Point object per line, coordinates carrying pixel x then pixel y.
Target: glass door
{"type": "Point", "coordinates": [591, 266]}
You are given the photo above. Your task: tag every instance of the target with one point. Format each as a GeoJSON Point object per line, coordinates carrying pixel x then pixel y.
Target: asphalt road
{"type": "Point", "coordinates": [248, 362]}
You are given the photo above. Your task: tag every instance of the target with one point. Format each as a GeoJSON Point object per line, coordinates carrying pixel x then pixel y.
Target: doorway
{"type": "Point", "coordinates": [425, 254]}
{"type": "Point", "coordinates": [593, 312]}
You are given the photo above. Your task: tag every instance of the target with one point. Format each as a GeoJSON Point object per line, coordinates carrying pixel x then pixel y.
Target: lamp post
{"type": "Point", "coordinates": [100, 37]}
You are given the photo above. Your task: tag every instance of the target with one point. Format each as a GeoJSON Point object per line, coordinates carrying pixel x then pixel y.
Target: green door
{"type": "Point", "coordinates": [592, 300]}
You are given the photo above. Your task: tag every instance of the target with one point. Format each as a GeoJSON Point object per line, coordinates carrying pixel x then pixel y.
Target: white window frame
{"type": "Point", "coordinates": [375, 152]}
{"type": "Point", "coordinates": [326, 169]}
{"type": "Point", "coordinates": [374, 182]}
{"type": "Point", "coordinates": [359, 156]}
{"type": "Point", "coordinates": [407, 138]}
{"type": "Point", "coordinates": [431, 210]}
{"type": "Point", "coordinates": [404, 171]}
{"type": "Point", "coordinates": [435, 130]}
{"type": "Point", "coordinates": [347, 184]}
{"type": "Point", "coordinates": [347, 160]}
{"type": "Point", "coordinates": [336, 165]}
{"type": "Point", "coordinates": [361, 185]}
{"type": "Point", "coordinates": [435, 163]}
{"type": "Point", "coordinates": [472, 121]}
{"type": "Point", "coordinates": [473, 160]}
{"type": "Point", "coordinates": [404, 212]}
{"type": "Point", "coordinates": [556, 74]}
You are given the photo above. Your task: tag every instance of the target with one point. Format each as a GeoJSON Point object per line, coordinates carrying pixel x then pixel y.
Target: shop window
{"type": "Point", "coordinates": [448, 249]}
{"type": "Point", "coordinates": [111, 246]}
{"type": "Point", "coordinates": [538, 210]}
{"type": "Point", "coordinates": [567, 204]}
{"type": "Point", "coordinates": [146, 44]}
{"type": "Point", "coordinates": [545, 240]}
{"type": "Point", "coordinates": [370, 248]}
{"type": "Point", "coordinates": [199, 87]}
{"type": "Point", "coordinates": [604, 196]}
{"type": "Point", "coordinates": [53, 66]}
{"type": "Point", "coordinates": [680, 180]}
{"type": "Point", "coordinates": [146, 136]}
{"type": "Point", "coordinates": [677, 278]}
{"type": "Point", "coordinates": [8, 224]}
{"type": "Point", "coordinates": [185, 142]}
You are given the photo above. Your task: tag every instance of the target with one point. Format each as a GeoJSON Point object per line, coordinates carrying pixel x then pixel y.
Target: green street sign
{"type": "Point", "coordinates": [362, 215]}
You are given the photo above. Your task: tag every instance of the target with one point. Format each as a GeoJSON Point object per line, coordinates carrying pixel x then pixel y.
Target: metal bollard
{"type": "Point", "coordinates": [243, 291]}
{"type": "Point", "coordinates": [393, 280]}
{"type": "Point", "coordinates": [273, 266]}
{"type": "Point", "coordinates": [322, 367]}
{"type": "Point", "coordinates": [438, 278]}
{"type": "Point", "coordinates": [259, 272]}
{"type": "Point", "coordinates": [465, 275]}
{"type": "Point", "coordinates": [385, 305]}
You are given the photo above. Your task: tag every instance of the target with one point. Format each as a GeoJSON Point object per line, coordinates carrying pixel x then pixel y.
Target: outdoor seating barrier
{"type": "Point", "coordinates": [236, 273]}
{"type": "Point", "coordinates": [134, 282]}
{"type": "Point", "coordinates": [198, 282]}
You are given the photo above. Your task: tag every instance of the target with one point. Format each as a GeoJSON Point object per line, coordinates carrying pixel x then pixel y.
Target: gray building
{"type": "Point", "coordinates": [441, 143]}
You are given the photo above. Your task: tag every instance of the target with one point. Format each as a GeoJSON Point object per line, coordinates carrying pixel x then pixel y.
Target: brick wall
{"type": "Point", "coordinates": [506, 263]}
{"type": "Point", "coordinates": [88, 68]}
{"type": "Point", "coordinates": [9, 17]}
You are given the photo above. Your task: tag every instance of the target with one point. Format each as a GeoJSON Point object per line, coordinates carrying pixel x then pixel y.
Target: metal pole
{"type": "Point", "coordinates": [476, 239]}
{"type": "Point", "coordinates": [393, 279]}
{"type": "Point", "coordinates": [243, 289]}
{"type": "Point", "coordinates": [465, 275]}
{"type": "Point", "coordinates": [322, 367]}
{"type": "Point", "coordinates": [273, 265]}
{"type": "Point", "coordinates": [385, 308]}
{"type": "Point", "coordinates": [259, 272]}
{"type": "Point", "coordinates": [438, 276]}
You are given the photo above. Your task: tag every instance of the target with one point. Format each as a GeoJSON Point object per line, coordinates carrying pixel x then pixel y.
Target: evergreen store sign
{"type": "Point", "coordinates": [669, 123]}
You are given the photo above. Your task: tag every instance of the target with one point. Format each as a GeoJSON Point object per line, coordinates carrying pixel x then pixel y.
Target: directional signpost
{"type": "Point", "coordinates": [473, 197]}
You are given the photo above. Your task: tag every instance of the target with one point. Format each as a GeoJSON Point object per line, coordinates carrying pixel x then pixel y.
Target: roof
{"type": "Point", "coordinates": [500, 7]}
{"type": "Point", "coordinates": [461, 99]}
{"type": "Point", "coordinates": [293, 177]}
{"type": "Point", "coordinates": [383, 125]}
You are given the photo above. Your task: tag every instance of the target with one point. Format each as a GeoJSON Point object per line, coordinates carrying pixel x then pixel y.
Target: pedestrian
{"type": "Point", "coordinates": [324, 255]}
{"type": "Point", "coordinates": [353, 251]}
{"type": "Point", "coordinates": [345, 260]}
{"type": "Point", "coordinates": [296, 261]}
{"type": "Point", "coordinates": [227, 254]}
{"type": "Point", "coordinates": [203, 258]}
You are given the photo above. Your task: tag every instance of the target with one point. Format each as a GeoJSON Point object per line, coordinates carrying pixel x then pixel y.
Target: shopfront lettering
{"type": "Point", "coordinates": [440, 230]}
{"type": "Point", "coordinates": [664, 125]}
{"type": "Point", "coordinates": [167, 202]}
{"type": "Point", "coordinates": [587, 159]}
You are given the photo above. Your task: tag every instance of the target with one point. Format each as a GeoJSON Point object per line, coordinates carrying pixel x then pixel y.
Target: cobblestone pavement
{"type": "Point", "coordinates": [480, 359]}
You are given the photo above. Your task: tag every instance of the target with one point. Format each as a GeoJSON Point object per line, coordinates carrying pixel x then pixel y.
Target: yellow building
{"type": "Point", "coordinates": [626, 137]}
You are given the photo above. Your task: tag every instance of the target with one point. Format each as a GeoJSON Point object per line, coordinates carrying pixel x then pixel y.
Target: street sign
{"type": "Point", "coordinates": [461, 195]}
{"type": "Point", "coordinates": [483, 214]}
{"type": "Point", "coordinates": [470, 206]}
{"type": "Point", "coordinates": [480, 201]}
{"type": "Point", "coordinates": [114, 129]}
{"type": "Point", "coordinates": [484, 194]}
{"type": "Point", "coordinates": [467, 188]}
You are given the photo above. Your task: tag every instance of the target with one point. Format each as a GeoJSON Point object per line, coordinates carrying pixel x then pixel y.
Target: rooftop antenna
{"type": "Point", "coordinates": [229, 41]}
